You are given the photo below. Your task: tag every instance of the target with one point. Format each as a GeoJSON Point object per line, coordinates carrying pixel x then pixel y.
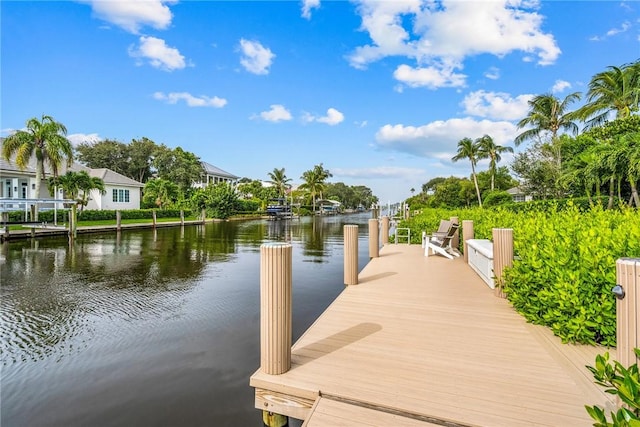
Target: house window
{"type": "Point", "coordinates": [518, 198]}
{"type": "Point", "coordinates": [120, 195]}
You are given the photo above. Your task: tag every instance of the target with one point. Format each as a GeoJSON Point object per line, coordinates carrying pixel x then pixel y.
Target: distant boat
{"type": "Point", "coordinates": [279, 209]}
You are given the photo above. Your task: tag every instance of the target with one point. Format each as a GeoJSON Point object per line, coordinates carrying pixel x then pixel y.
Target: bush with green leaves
{"type": "Point", "coordinates": [621, 382]}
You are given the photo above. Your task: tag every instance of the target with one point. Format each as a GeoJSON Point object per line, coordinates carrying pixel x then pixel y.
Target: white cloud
{"type": "Point", "coordinates": [439, 139]}
{"type": "Point", "coordinates": [79, 138]}
{"type": "Point", "coordinates": [308, 6]}
{"type": "Point", "coordinates": [492, 73]}
{"type": "Point", "coordinates": [624, 27]}
{"type": "Point", "coordinates": [332, 118]}
{"type": "Point", "coordinates": [190, 100]}
{"type": "Point", "coordinates": [277, 113]}
{"type": "Point", "coordinates": [444, 33]}
{"type": "Point", "coordinates": [496, 105]}
{"type": "Point", "coordinates": [132, 15]}
{"type": "Point", "coordinates": [379, 172]}
{"type": "Point", "coordinates": [256, 58]}
{"type": "Point", "coordinates": [158, 54]}
{"type": "Point", "coordinates": [560, 86]}
{"type": "Point", "coordinates": [430, 77]}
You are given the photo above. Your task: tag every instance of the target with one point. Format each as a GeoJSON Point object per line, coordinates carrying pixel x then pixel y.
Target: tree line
{"type": "Point", "coordinates": [564, 159]}
{"type": "Point", "coordinates": [168, 174]}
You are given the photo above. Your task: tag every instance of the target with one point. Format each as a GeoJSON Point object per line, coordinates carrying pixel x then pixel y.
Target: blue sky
{"type": "Point", "coordinates": [380, 92]}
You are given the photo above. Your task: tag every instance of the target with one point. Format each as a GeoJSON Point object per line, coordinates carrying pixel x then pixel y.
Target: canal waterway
{"type": "Point", "coordinates": [152, 327]}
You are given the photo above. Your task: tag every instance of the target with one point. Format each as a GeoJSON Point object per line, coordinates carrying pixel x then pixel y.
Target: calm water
{"type": "Point", "coordinates": [152, 328]}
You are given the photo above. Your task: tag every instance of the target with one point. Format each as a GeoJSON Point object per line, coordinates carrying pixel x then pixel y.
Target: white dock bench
{"type": "Point", "coordinates": [480, 256]}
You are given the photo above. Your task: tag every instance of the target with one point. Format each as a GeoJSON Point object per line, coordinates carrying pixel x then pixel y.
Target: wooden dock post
{"type": "Point", "coordinates": [181, 217]}
{"type": "Point", "coordinates": [385, 230]}
{"type": "Point", "coordinates": [374, 238]}
{"type": "Point", "coordinates": [204, 216]}
{"type": "Point", "coordinates": [455, 242]}
{"type": "Point", "coordinates": [502, 256]}
{"type": "Point", "coordinates": [153, 212]}
{"type": "Point", "coordinates": [275, 308]}
{"type": "Point", "coordinates": [350, 254]}
{"type": "Point", "coordinates": [118, 221]}
{"type": "Point", "coordinates": [627, 292]}
{"type": "Point", "coordinates": [467, 233]}
{"type": "Point", "coordinates": [5, 220]}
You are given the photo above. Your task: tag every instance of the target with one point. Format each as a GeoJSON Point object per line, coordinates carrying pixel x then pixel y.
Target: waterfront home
{"type": "Point", "coordinates": [121, 192]}
{"type": "Point", "coordinates": [214, 175]}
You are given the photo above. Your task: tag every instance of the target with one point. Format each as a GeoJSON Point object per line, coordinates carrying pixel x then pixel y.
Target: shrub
{"type": "Point", "coordinates": [622, 382]}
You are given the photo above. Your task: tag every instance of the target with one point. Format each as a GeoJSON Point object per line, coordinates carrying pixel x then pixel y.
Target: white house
{"type": "Point", "coordinates": [519, 195]}
{"type": "Point", "coordinates": [214, 175]}
{"type": "Point", "coordinates": [121, 192]}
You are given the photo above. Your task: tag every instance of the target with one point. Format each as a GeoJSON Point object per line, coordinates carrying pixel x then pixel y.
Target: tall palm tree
{"type": "Point", "coordinates": [313, 184]}
{"type": "Point", "coordinates": [46, 140]}
{"type": "Point", "coordinates": [615, 90]}
{"type": "Point", "coordinates": [467, 149]}
{"type": "Point", "coordinates": [547, 114]}
{"type": "Point", "coordinates": [322, 174]}
{"type": "Point", "coordinates": [280, 181]}
{"type": "Point", "coordinates": [76, 186]}
{"type": "Point", "coordinates": [489, 149]}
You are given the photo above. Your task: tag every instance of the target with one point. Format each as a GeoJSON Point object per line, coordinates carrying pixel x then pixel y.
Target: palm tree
{"type": "Point", "coordinates": [615, 90]}
{"type": "Point", "coordinates": [547, 114]}
{"type": "Point", "coordinates": [323, 174]}
{"type": "Point", "coordinates": [280, 181]}
{"type": "Point", "coordinates": [76, 186]}
{"type": "Point", "coordinates": [312, 185]}
{"type": "Point", "coordinates": [467, 149]}
{"type": "Point", "coordinates": [489, 149]}
{"type": "Point", "coordinates": [46, 140]}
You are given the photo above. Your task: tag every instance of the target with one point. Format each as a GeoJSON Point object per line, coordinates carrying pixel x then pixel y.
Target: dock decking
{"type": "Point", "coordinates": [423, 341]}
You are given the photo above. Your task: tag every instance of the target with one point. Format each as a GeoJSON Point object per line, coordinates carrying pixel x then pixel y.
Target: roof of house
{"type": "Point", "coordinates": [214, 170]}
{"type": "Point", "coordinates": [515, 190]}
{"type": "Point", "coordinates": [107, 175]}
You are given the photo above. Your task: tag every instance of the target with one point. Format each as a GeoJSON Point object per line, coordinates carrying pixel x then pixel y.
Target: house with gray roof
{"type": "Point", "coordinates": [121, 192]}
{"type": "Point", "coordinates": [214, 175]}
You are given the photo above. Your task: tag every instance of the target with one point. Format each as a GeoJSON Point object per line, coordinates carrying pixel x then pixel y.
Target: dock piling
{"type": "Point", "coordinates": [502, 256]}
{"type": "Point", "coordinates": [275, 308]}
{"type": "Point", "coordinates": [118, 221]}
{"type": "Point", "coordinates": [374, 241]}
{"type": "Point", "coordinates": [350, 254]}
{"type": "Point", "coordinates": [627, 294]}
{"type": "Point", "coordinates": [385, 230]}
{"type": "Point", "coordinates": [153, 212]}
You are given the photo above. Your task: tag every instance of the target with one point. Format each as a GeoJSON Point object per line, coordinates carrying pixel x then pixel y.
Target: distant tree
{"type": "Point", "coordinates": [107, 153]}
{"type": "Point", "coordinates": [160, 193]}
{"type": "Point", "coordinates": [222, 198]}
{"type": "Point", "coordinates": [46, 140]}
{"type": "Point", "coordinates": [314, 182]}
{"type": "Point", "coordinates": [490, 150]}
{"type": "Point", "coordinates": [178, 166]}
{"type": "Point", "coordinates": [430, 186]}
{"type": "Point", "coordinates": [468, 149]}
{"type": "Point", "coordinates": [502, 180]}
{"type": "Point", "coordinates": [140, 159]}
{"type": "Point", "coordinates": [278, 178]}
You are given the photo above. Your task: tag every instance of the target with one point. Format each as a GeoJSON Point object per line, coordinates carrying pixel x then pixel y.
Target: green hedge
{"type": "Point", "coordinates": [95, 215]}
{"type": "Point", "coordinates": [565, 267]}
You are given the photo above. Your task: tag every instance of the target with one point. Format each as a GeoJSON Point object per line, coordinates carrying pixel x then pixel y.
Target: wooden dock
{"type": "Point", "coordinates": [424, 341]}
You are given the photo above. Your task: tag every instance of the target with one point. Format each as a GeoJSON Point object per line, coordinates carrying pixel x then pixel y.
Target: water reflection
{"type": "Point", "coordinates": [172, 311]}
